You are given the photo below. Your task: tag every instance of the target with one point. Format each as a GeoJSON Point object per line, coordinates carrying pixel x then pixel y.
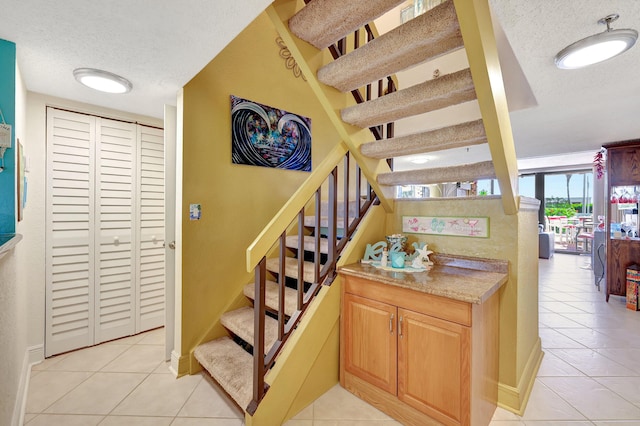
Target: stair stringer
{"type": "Point", "coordinates": [310, 59]}
{"type": "Point", "coordinates": [308, 365]}
{"type": "Point", "coordinates": [476, 26]}
{"type": "Point", "coordinates": [215, 331]}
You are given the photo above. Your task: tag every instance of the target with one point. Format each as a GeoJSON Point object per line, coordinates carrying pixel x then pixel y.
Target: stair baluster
{"type": "Point", "coordinates": [258, 338]}
{"type": "Point", "coordinates": [281, 287]}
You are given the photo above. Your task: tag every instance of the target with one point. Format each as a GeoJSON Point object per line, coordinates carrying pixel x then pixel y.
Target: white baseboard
{"type": "Point", "coordinates": [36, 354]}
{"type": "Point", "coordinates": [33, 355]}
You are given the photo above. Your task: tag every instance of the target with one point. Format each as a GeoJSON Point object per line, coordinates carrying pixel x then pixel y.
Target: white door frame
{"type": "Point", "coordinates": [170, 132]}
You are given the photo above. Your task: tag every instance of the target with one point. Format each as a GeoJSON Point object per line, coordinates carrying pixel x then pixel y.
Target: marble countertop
{"type": "Point", "coordinates": [467, 279]}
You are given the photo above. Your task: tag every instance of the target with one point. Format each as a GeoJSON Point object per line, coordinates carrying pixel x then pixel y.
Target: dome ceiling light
{"type": "Point", "coordinates": [103, 81]}
{"type": "Point", "coordinates": [598, 47]}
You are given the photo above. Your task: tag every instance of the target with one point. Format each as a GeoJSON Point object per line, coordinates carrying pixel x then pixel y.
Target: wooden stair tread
{"type": "Point", "coordinates": [460, 135]}
{"type": "Point", "coordinates": [310, 222]}
{"type": "Point", "coordinates": [426, 37]}
{"type": "Point", "coordinates": [230, 366]}
{"type": "Point", "coordinates": [291, 268]}
{"type": "Point", "coordinates": [309, 243]}
{"type": "Point", "coordinates": [463, 173]}
{"type": "Point", "coordinates": [323, 22]}
{"type": "Point", "coordinates": [447, 90]}
{"type": "Point", "coordinates": [272, 296]}
{"type": "Point", "coordinates": [354, 207]}
{"type": "Point", "coordinates": [240, 322]}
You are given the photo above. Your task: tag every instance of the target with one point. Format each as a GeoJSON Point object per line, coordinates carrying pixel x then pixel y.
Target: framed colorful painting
{"type": "Point", "coordinates": [269, 137]}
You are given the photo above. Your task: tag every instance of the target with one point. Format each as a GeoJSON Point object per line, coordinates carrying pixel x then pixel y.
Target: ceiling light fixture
{"type": "Point", "coordinates": [419, 159]}
{"type": "Point", "coordinates": [598, 47]}
{"type": "Point", "coordinates": [103, 81]}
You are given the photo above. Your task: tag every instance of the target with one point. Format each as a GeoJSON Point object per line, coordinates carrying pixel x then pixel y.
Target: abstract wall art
{"type": "Point", "coordinates": [269, 137]}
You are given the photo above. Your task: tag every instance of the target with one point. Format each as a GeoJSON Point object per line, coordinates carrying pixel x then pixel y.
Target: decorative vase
{"type": "Point", "coordinates": [397, 238]}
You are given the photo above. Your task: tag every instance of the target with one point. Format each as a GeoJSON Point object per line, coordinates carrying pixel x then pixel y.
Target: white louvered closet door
{"type": "Point", "coordinates": [151, 251]}
{"type": "Point", "coordinates": [69, 231]}
{"type": "Point", "coordinates": [115, 236]}
{"type": "Point", "coordinates": [105, 230]}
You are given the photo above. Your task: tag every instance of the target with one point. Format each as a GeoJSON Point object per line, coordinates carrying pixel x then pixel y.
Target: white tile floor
{"type": "Point", "coordinates": [590, 374]}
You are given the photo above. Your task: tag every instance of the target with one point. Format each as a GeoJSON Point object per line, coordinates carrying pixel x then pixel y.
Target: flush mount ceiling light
{"type": "Point", "coordinates": [103, 81]}
{"type": "Point", "coordinates": [419, 159]}
{"type": "Point", "coordinates": [598, 47]}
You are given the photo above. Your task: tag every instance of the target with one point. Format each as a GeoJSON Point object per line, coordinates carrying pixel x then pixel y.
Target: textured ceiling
{"type": "Point", "coordinates": [160, 45]}
{"type": "Point", "coordinates": [578, 110]}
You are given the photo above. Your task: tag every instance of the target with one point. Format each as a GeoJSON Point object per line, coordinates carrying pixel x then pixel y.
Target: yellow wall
{"type": "Point", "coordinates": [514, 238]}
{"type": "Point", "coordinates": [237, 200]}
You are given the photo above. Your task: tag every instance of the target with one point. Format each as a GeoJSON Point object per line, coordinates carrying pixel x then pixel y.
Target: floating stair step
{"type": "Point", "coordinates": [310, 222]}
{"type": "Point", "coordinates": [447, 90]}
{"type": "Point", "coordinates": [353, 208]}
{"type": "Point", "coordinates": [466, 134]}
{"type": "Point", "coordinates": [291, 268]}
{"type": "Point", "coordinates": [309, 243]}
{"type": "Point", "coordinates": [426, 37]}
{"type": "Point", "coordinates": [230, 366]}
{"type": "Point", "coordinates": [240, 323]}
{"type": "Point", "coordinates": [272, 296]}
{"type": "Point", "coordinates": [463, 173]}
{"type": "Point", "coordinates": [323, 22]}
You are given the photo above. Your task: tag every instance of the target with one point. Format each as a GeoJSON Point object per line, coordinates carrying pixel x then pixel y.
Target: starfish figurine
{"type": "Point", "coordinates": [421, 261]}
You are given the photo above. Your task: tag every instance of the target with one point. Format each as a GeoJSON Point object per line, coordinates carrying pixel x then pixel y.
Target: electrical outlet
{"type": "Point", "coordinates": [5, 135]}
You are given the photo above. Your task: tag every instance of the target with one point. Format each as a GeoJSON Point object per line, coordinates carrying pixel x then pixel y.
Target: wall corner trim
{"type": "Point", "coordinates": [179, 364]}
{"type": "Point", "coordinates": [515, 399]}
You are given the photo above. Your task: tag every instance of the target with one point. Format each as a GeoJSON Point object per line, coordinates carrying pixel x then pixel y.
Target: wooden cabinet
{"type": "Point", "coordinates": [414, 355]}
{"type": "Point", "coordinates": [623, 190]}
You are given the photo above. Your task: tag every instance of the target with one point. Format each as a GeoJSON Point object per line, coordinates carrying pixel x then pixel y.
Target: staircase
{"type": "Point", "coordinates": [428, 36]}
{"type": "Point", "coordinates": [292, 267]}
{"type": "Point", "coordinates": [229, 360]}
{"type": "Point", "coordinates": [306, 250]}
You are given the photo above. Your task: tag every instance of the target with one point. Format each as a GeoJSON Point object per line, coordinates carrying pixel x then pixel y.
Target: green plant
{"type": "Point", "coordinates": [559, 209]}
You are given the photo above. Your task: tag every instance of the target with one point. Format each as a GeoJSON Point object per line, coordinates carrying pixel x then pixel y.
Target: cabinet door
{"type": "Point", "coordinates": [433, 366]}
{"type": "Point", "coordinates": [621, 255]}
{"type": "Point", "coordinates": [370, 340]}
{"type": "Point", "coordinates": [623, 164]}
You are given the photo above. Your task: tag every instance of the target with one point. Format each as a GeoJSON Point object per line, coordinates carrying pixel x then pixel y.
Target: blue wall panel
{"type": "Point", "coordinates": [8, 107]}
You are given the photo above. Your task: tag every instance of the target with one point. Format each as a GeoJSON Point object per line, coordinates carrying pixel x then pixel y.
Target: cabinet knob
{"type": "Point", "coordinates": [400, 327]}
{"type": "Point", "coordinates": [391, 324]}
